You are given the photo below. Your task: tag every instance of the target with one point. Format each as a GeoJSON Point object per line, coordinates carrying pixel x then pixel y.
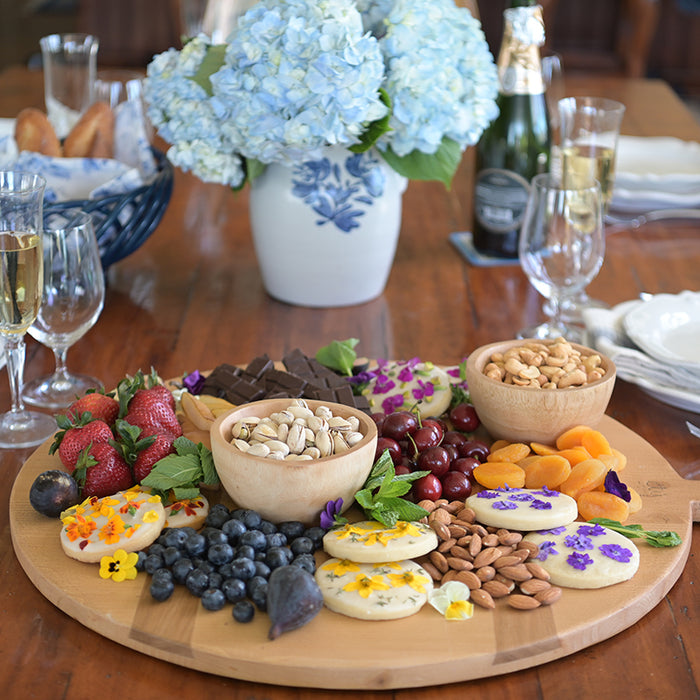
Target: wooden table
{"type": "Point", "coordinates": [192, 297]}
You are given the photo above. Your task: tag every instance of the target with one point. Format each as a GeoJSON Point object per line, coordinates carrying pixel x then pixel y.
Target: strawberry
{"type": "Point", "coordinates": [100, 406]}
{"type": "Point", "coordinates": [161, 447]}
{"type": "Point", "coordinates": [154, 418]}
{"type": "Point", "coordinates": [102, 471]}
{"type": "Point", "coordinates": [156, 394]}
{"type": "Point", "coordinates": [75, 436]}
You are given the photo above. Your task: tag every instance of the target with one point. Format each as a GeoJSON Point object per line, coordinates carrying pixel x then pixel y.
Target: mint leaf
{"type": "Point", "coordinates": [209, 475]}
{"type": "Point", "coordinates": [655, 538]}
{"type": "Point", "coordinates": [173, 471]}
{"type": "Point", "coordinates": [183, 493]}
{"type": "Point", "coordinates": [339, 355]}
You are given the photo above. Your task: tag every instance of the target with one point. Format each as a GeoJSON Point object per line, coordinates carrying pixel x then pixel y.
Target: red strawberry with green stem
{"type": "Point", "coordinates": [102, 407]}
{"type": "Point", "coordinates": [102, 471]}
{"type": "Point", "coordinates": [75, 436]}
{"type": "Point", "coordinates": [142, 453]}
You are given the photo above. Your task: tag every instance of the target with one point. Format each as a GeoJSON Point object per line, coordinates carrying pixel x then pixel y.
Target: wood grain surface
{"type": "Point", "coordinates": [332, 651]}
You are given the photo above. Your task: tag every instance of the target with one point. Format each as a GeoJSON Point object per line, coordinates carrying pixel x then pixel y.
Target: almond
{"type": "Point", "coordinates": [549, 595]}
{"type": "Point", "coordinates": [485, 573]}
{"type": "Point", "coordinates": [536, 570]}
{"type": "Point", "coordinates": [533, 586]}
{"type": "Point", "coordinates": [507, 560]}
{"type": "Point", "coordinates": [461, 552]}
{"type": "Point", "coordinates": [530, 546]}
{"type": "Point", "coordinates": [439, 561]}
{"type": "Point", "coordinates": [440, 530]}
{"type": "Point", "coordinates": [477, 529]}
{"type": "Point", "coordinates": [491, 540]}
{"type": "Point", "coordinates": [517, 572]}
{"type": "Point", "coordinates": [446, 545]}
{"type": "Point", "coordinates": [450, 575]}
{"type": "Point", "coordinates": [522, 602]}
{"type": "Point", "coordinates": [509, 537]}
{"type": "Point", "coordinates": [464, 541]}
{"type": "Point", "coordinates": [508, 582]}
{"type": "Point", "coordinates": [495, 589]}
{"type": "Point", "coordinates": [426, 504]}
{"type": "Point", "coordinates": [475, 545]}
{"type": "Point", "coordinates": [457, 531]}
{"type": "Point", "coordinates": [522, 554]}
{"type": "Point", "coordinates": [466, 514]}
{"type": "Point", "coordinates": [459, 564]}
{"type": "Point", "coordinates": [468, 578]}
{"type": "Point", "coordinates": [431, 570]}
{"type": "Point", "coordinates": [486, 557]}
{"type": "Point", "coordinates": [482, 599]}
{"type": "Point", "coordinates": [440, 515]}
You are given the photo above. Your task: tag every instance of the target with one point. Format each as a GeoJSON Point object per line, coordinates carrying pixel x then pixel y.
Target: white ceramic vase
{"type": "Point", "coordinates": [325, 231]}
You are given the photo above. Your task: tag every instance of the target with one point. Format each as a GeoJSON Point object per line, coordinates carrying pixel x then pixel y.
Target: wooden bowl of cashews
{"type": "Point", "coordinates": [533, 390]}
{"type": "Point", "coordinates": [306, 472]}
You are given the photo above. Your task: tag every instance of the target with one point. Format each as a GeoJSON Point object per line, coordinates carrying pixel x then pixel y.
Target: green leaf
{"type": "Point", "coordinates": [339, 355]}
{"type": "Point", "coordinates": [211, 63]}
{"type": "Point", "coordinates": [441, 165]}
{"type": "Point", "coordinates": [173, 471]}
{"type": "Point", "coordinates": [375, 129]}
{"type": "Point", "coordinates": [365, 499]}
{"type": "Point", "coordinates": [185, 446]}
{"type": "Point", "coordinates": [182, 493]}
{"type": "Point", "coordinates": [209, 474]}
{"type": "Point", "coordinates": [655, 538]}
{"type": "Point", "coordinates": [254, 168]}
{"type": "Point", "coordinates": [409, 511]}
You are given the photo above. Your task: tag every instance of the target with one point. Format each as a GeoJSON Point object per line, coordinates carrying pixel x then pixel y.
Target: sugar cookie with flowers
{"type": "Point", "coordinates": [324, 110]}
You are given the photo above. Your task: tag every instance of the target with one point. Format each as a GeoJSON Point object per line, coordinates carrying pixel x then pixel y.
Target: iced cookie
{"type": "Point", "coordinates": [97, 527]}
{"type": "Point", "coordinates": [582, 555]}
{"type": "Point", "coordinates": [523, 509]}
{"type": "Point", "coordinates": [369, 541]}
{"type": "Point", "coordinates": [381, 591]}
{"type": "Point", "coordinates": [400, 386]}
{"type": "Point", "coordinates": [191, 512]}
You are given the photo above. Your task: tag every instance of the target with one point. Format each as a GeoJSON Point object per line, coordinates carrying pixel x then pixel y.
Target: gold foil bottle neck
{"type": "Point", "coordinates": [519, 64]}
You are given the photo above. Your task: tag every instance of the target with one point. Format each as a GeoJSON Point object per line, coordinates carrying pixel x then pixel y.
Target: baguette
{"type": "Point", "coordinates": [93, 135]}
{"type": "Point", "coordinates": [34, 132]}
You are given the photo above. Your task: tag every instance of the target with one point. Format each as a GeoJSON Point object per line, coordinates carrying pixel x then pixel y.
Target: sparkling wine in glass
{"type": "Point", "coordinates": [561, 248]}
{"type": "Point", "coordinates": [73, 297]}
{"type": "Point", "coordinates": [21, 272]}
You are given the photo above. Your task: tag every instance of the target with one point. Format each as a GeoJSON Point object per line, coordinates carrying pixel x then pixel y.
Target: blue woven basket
{"type": "Point", "coordinates": [124, 221]}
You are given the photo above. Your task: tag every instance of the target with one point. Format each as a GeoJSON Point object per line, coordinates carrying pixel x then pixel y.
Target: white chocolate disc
{"type": "Point", "coordinates": [129, 520]}
{"type": "Point", "coordinates": [584, 555]}
{"type": "Point", "coordinates": [369, 541]}
{"type": "Point", "coordinates": [380, 591]}
{"type": "Point", "coordinates": [523, 509]}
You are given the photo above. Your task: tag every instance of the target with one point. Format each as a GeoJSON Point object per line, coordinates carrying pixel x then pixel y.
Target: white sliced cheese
{"type": "Point", "coordinates": [380, 591]}
{"type": "Point", "coordinates": [97, 527]}
{"type": "Point", "coordinates": [584, 555]}
{"type": "Point", "coordinates": [403, 385]}
{"type": "Point", "coordinates": [523, 509]}
{"type": "Point", "coordinates": [369, 541]}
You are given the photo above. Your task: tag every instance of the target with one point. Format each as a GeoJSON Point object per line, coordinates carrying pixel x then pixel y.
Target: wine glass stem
{"type": "Point", "coordinates": [555, 311]}
{"type": "Point", "coordinates": [14, 354]}
{"type": "Point", "coordinates": [61, 371]}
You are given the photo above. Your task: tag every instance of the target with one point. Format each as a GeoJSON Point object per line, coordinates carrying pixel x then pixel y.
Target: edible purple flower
{"type": "Point", "coordinates": [392, 403]}
{"type": "Point", "coordinates": [546, 548]}
{"type": "Point", "coordinates": [579, 561]}
{"type": "Point", "coordinates": [616, 552]}
{"type": "Point", "coordinates": [614, 486]}
{"type": "Point", "coordinates": [544, 491]}
{"type": "Point", "coordinates": [383, 384]}
{"type": "Point", "coordinates": [425, 390]}
{"type": "Point", "coordinates": [553, 531]}
{"type": "Point", "coordinates": [194, 382]}
{"type": "Point", "coordinates": [578, 542]}
{"type": "Point", "coordinates": [504, 505]}
{"type": "Point", "coordinates": [487, 494]}
{"type": "Point", "coordinates": [330, 516]}
{"type": "Point", "coordinates": [520, 497]}
{"type": "Point", "coordinates": [405, 375]}
{"type": "Point", "coordinates": [591, 530]}
{"type": "Point", "coordinates": [537, 504]}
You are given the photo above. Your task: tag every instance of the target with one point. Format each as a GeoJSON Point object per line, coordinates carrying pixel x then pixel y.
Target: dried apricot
{"type": "Point", "coordinates": [494, 475]}
{"type": "Point", "coordinates": [610, 461]}
{"type": "Point", "coordinates": [541, 449]}
{"type": "Point", "coordinates": [585, 476]}
{"type": "Point", "coordinates": [574, 455]}
{"type": "Point", "coordinates": [571, 437]}
{"type": "Point", "coordinates": [497, 444]}
{"type": "Point", "coordinates": [635, 502]}
{"type": "Point", "coordinates": [596, 443]}
{"type": "Point", "coordinates": [528, 460]}
{"type": "Point", "coordinates": [547, 470]}
{"type": "Point", "coordinates": [621, 458]}
{"type": "Point", "coordinates": [512, 452]}
{"type": "Point", "coordinates": [598, 504]}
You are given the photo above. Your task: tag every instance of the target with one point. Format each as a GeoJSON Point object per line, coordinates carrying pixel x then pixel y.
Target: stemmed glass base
{"type": "Point", "coordinates": [24, 428]}
{"type": "Point", "coordinates": [572, 308]}
{"type": "Point", "coordinates": [59, 390]}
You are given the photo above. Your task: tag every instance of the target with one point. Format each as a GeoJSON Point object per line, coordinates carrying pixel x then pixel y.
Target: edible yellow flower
{"type": "Point", "coordinates": [119, 567]}
{"type": "Point", "coordinates": [452, 601]}
{"type": "Point", "coordinates": [339, 567]}
{"type": "Point", "coordinates": [403, 529]}
{"type": "Point", "coordinates": [112, 530]}
{"type": "Point", "coordinates": [364, 585]}
{"type": "Point", "coordinates": [380, 537]}
{"type": "Point", "coordinates": [151, 517]}
{"type": "Point", "coordinates": [409, 578]}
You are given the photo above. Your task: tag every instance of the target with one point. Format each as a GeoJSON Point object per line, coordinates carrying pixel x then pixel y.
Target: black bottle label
{"type": "Point", "coordinates": [500, 198]}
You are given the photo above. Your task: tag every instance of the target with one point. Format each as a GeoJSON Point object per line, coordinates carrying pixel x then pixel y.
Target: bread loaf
{"type": "Point", "coordinates": [34, 132]}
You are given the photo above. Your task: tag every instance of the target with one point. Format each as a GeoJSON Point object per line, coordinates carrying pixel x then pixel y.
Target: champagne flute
{"type": "Point", "coordinates": [73, 297]}
{"type": "Point", "coordinates": [561, 247]}
{"type": "Point", "coordinates": [21, 271]}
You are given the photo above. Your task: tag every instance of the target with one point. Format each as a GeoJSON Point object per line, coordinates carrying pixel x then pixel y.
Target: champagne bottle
{"type": "Point", "coordinates": [515, 146]}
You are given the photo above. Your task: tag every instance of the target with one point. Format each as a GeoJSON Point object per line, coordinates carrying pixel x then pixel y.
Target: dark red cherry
{"type": "Point", "coordinates": [399, 424]}
{"type": "Point", "coordinates": [427, 487]}
{"type": "Point", "coordinates": [456, 486]}
{"type": "Point", "coordinates": [463, 417]}
{"type": "Point", "coordinates": [475, 448]}
{"type": "Point", "coordinates": [385, 443]}
{"type": "Point", "coordinates": [435, 460]}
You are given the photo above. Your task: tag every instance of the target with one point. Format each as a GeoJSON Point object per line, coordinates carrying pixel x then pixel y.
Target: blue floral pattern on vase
{"type": "Point", "coordinates": [339, 195]}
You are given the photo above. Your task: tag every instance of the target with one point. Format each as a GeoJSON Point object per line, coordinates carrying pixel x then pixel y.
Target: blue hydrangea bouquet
{"type": "Point", "coordinates": [412, 78]}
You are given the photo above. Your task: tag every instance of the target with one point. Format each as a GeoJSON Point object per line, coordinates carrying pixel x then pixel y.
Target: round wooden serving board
{"type": "Point", "coordinates": [334, 651]}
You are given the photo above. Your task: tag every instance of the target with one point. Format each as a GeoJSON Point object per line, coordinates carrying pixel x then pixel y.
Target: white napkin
{"type": "Point", "coordinates": [606, 333]}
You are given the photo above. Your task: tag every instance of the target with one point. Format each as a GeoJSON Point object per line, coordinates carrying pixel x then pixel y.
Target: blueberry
{"type": "Point", "coordinates": [243, 568]}
{"type": "Point", "coordinates": [233, 529]}
{"type": "Point", "coordinates": [156, 548]}
{"type": "Point", "coordinates": [257, 592]}
{"type": "Point", "coordinates": [216, 537]}
{"type": "Point", "coordinates": [266, 527]}
{"type": "Point", "coordinates": [260, 556]}
{"type": "Point", "coordinates": [291, 528]}
{"type": "Point", "coordinates": [276, 539]}
{"type": "Point", "coordinates": [226, 570]}
{"type": "Point", "coordinates": [278, 556]}
{"type": "Point", "coordinates": [141, 560]}
{"type": "Point", "coordinates": [305, 561]}
{"type": "Point", "coordinates": [213, 599]}
{"type": "Point", "coordinates": [234, 589]}
{"type": "Point", "coordinates": [174, 537]}
{"type": "Point", "coordinates": [215, 579]}
{"type": "Point", "coordinates": [220, 508]}
{"type": "Point", "coordinates": [195, 544]}
{"type": "Point", "coordinates": [262, 569]}
{"type": "Point", "coordinates": [219, 554]}
{"type": "Point", "coordinates": [171, 555]}
{"type": "Point", "coordinates": [181, 568]}
{"type": "Point", "coordinates": [254, 538]}
{"type": "Point", "coordinates": [152, 563]}
{"type": "Point", "coordinates": [302, 545]}
{"type": "Point", "coordinates": [252, 519]}
{"type": "Point", "coordinates": [243, 611]}
{"type": "Point", "coordinates": [197, 581]}
{"type": "Point", "coordinates": [315, 534]}
{"type": "Point", "coordinates": [245, 551]}
{"type": "Point", "coordinates": [162, 589]}
{"type": "Point", "coordinates": [216, 518]}
{"type": "Point", "coordinates": [238, 513]}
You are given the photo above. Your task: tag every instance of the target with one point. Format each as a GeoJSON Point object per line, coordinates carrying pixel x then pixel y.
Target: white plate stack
{"type": "Point", "coordinates": [656, 173]}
